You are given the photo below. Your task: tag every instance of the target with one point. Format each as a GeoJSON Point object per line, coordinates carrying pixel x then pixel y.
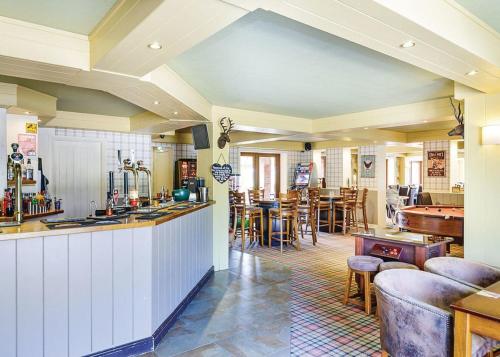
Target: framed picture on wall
{"type": "Point", "coordinates": [436, 163]}
{"type": "Point", "coordinates": [27, 144]}
{"type": "Point", "coordinates": [367, 166]}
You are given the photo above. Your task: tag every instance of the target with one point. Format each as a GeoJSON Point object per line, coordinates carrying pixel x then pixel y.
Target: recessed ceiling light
{"type": "Point", "coordinates": [425, 121]}
{"type": "Point", "coordinates": [39, 120]}
{"type": "Point", "coordinates": [175, 113]}
{"type": "Point", "coordinates": [408, 44]}
{"type": "Point", "coordinates": [156, 102]}
{"type": "Point", "coordinates": [155, 45]}
{"type": "Point", "coordinates": [366, 128]}
{"type": "Point", "coordinates": [27, 113]}
{"type": "Point", "coordinates": [472, 73]}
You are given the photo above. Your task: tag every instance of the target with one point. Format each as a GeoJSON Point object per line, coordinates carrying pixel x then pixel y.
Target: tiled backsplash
{"type": "Point", "coordinates": [141, 144]}
{"type": "Point", "coordinates": [437, 183]}
{"type": "Point", "coordinates": [334, 167]}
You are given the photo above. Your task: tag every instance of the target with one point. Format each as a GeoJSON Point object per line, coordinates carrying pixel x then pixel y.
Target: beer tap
{"type": "Point", "coordinates": [142, 168]}
{"type": "Point", "coordinates": [128, 165]}
{"type": "Point", "coordinates": [17, 157]}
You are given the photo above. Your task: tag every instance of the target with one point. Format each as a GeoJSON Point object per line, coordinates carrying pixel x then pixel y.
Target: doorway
{"type": "Point", "coordinates": [260, 170]}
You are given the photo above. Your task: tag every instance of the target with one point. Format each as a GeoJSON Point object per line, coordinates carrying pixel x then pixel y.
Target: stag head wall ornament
{"type": "Point", "coordinates": [459, 116]}
{"type": "Point", "coordinates": [227, 125]}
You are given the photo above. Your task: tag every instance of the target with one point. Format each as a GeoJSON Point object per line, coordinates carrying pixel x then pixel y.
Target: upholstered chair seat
{"type": "Point", "coordinates": [364, 263]}
{"type": "Point", "coordinates": [415, 315]}
{"type": "Point", "coordinates": [396, 265]}
{"type": "Point", "coordinates": [473, 274]}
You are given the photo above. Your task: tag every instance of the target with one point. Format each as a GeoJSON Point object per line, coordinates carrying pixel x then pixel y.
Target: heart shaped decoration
{"type": "Point", "coordinates": [221, 172]}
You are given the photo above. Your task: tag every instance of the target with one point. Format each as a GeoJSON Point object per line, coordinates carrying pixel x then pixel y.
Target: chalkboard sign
{"type": "Point", "coordinates": [221, 172]}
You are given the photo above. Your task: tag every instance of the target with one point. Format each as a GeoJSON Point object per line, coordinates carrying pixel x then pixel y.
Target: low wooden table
{"type": "Point", "coordinates": [478, 314]}
{"type": "Point", "coordinates": [392, 245]}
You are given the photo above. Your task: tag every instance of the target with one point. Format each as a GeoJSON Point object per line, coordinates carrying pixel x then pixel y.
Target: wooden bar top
{"type": "Point", "coordinates": [480, 304]}
{"type": "Point", "coordinates": [36, 228]}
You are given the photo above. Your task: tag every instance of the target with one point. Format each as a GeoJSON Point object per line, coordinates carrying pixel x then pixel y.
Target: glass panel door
{"type": "Point", "coordinates": [260, 171]}
{"type": "Point", "coordinates": [247, 178]}
{"type": "Point", "coordinates": [268, 175]}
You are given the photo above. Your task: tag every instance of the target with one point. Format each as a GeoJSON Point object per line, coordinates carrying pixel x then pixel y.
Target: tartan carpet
{"type": "Point", "coordinates": [321, 325]}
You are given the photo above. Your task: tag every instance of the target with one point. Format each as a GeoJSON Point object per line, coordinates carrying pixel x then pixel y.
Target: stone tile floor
{"type": "Point", "coordinates": [242, 311]}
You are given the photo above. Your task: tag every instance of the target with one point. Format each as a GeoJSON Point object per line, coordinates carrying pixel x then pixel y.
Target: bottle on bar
{"type": "Point", "coordinates": [29, 170]}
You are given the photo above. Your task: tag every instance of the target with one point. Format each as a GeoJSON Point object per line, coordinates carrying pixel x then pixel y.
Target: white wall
{"type": "Point", "coordinates": [482, 176]}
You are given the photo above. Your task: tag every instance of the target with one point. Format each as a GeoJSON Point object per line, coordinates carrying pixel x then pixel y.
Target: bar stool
{"type": "Point", "coordinates": [396, 265]}
{"type": "Point", "coordinates": [365, 266]}
{"type": "Point", "coordinates": [362, 206]}
{"type": "Point", "coordinates": [240, 211]}
{"type": "Point", "coordinates": [286, 213]}
{"type": "Point", "coordinates": [255, 215]}
{"type": "Point", "coordinates": [308, 214]}
{"type": "Point", "coordinates": [347, 205]}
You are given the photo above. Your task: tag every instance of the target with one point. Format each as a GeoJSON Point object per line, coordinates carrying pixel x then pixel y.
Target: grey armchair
{"type": "Point", "coordinates": [415, 315]}
{"type": "Point", "coordinates": [475, 275]}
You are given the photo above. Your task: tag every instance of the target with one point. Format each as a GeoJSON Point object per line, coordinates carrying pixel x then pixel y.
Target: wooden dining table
{"type": "Point", "coordinates": [478, 314]}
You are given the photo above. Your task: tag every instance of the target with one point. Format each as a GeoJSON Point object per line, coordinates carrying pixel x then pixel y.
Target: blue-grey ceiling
{"type": "Point", "coordinates": [79, 16]}
{"type": "Point", "coordinates": [486, 10]}
{"type": "Point", "coordinates": [268, 63]}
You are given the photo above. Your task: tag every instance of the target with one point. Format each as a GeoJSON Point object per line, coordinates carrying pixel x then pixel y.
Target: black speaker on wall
{"type": "Point", "coordinates": [307, 146]}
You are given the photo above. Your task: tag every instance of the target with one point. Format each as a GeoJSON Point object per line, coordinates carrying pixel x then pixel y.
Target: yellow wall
{"type": "Point", "coordinates": [482, 176]}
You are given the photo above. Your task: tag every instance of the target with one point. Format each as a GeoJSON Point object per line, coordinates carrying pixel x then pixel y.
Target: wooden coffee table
{"type": "Point", "coordinates": [478, 314]}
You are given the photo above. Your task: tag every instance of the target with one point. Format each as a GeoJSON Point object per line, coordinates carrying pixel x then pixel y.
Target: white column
{"type": "Point", "coordinates": [316, 165]}
{"type": "Point", "coordinates": [3, 150]}
{"type": "Point", "coordinates": [482, 176]}
{"type": "Point", "coordinates": [217, 192]}
{"type": "Point", "coordinates": [380, 182]}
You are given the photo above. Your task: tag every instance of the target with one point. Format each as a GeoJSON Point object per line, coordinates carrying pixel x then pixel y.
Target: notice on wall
{"type": "Point", "coordinates": [27, 144]}
{"type": "Point", "coordinates": [31, 128]}
{"type": "Point", "coordinates": [436, 163]}
{"type": "Point", "coordinates": [367, 166]}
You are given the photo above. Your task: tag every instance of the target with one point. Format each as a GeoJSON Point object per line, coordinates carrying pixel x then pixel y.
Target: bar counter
{"type": "Point", "coordinates": [106, 290]}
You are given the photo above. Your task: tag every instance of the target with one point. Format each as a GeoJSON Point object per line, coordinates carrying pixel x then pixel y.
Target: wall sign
{"type": "Point", "coordinates": [367, 166]}
{"type": "Point", "coordinates": [436, 163]}
{"type": "Point", "coordinates": [221, 172]}
{"type": "Point", "coordinates": [27, 144]}
{"type": "Point", "coordinates": [31, 128]}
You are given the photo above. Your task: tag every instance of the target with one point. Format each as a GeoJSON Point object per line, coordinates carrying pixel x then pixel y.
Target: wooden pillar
{"type": "Point", "coordinates": [217, 192]}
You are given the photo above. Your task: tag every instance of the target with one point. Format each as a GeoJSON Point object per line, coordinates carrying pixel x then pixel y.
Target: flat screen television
{"type": "Point", "coordinates": [200, 137]}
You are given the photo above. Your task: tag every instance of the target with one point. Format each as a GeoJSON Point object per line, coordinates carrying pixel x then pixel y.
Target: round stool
{"type": "Point", "coordinates": [364, 266]}
{"type": "Point", "coordinates": [396, 265]}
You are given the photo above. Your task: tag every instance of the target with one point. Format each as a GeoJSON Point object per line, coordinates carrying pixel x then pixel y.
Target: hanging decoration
{"type": "Point", "coordinates": [224, 136]}
{"type": "Point", "coordinates": [221, 172]}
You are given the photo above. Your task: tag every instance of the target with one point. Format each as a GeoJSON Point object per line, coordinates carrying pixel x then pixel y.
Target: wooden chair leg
{"type": "Point", "coordinates": [348, 283]}
{"type": "Point", "coordinates": [296, 224]}
{"type": "Point", "coordinates": [250, 228]}
{"type": "Point", "coordinates": [281, 234]}
{"type": "Point", "coordinates": [368, 293]}
{"type": "Point", "coordinates": [313, 230]}
{"type": "Point", "coordinates": [242, 227]}
{"type": "Point", "coordinates": [344, 223]}
{"type": "Point", "coordinates": [334, 219]}
{"type": "Point", "coordinates": [365, 219]}
{"type": "Point", "coordinates": [261, 221]}
{"type": "Point", "coordinates": [270, 230]}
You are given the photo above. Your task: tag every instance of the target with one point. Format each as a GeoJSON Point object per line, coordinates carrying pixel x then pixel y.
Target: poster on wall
{"type": "Point", "coordinates": [27, 144]}
{"type": "Point", "coordinates": [367, 166]}
{"type": "Point", "coordinates": [436, 163]}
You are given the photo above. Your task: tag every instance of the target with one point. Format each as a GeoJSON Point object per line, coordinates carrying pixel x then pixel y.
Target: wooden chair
{"type": "Point", "coordinates": [347, 205]}
{"type": "Point", "coordinates": [286, 214]}
{"type": "Point", "coordinates": [255, 216]}
{"type": "Point", "coordinates": [361, 205]}
{"type": "Point", "coordinates": [239, 209]}
{"type": "Point", "coordinates": [308, 214]}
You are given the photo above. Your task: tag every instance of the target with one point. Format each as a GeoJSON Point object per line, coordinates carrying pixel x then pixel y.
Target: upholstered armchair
{"type": "Point", "coordinates": [475, 275]}
{"type": "Point", "coordinates": [415, 315]}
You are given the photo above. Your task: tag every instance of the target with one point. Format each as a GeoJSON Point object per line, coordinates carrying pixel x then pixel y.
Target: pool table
{"type": "Point", "coordinates": [446, 221]}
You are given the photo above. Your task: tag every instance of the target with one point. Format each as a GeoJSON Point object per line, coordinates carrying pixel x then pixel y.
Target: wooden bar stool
{"type": "Point", "coordinates": [347, 205]}
{"type": "Point", "coordinates": [361, 205]}
{"type": "Point", "coordinates": [255, 216]}
{"type": "Point", "coordinates": [308, 214]}
{"type": "Point", "coordinates": [365, 266]}
{"type": "Point", "coordinates": [240, 211]}
{"type": "Point", "coordinates": [286, 214]}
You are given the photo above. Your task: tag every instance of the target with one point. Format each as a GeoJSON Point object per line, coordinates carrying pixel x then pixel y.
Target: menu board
{"type": "Point", "coordinates": [436, 163]}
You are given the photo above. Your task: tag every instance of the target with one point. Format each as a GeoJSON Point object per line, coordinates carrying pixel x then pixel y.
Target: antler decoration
{"type": "Point", "coordinates": [226, 129]}
{"type": "Point", "coordinates": [459, 116]}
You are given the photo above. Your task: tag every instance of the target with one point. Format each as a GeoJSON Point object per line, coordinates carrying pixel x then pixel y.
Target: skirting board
{"type": "Point", "coordinates": [150, 343]}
